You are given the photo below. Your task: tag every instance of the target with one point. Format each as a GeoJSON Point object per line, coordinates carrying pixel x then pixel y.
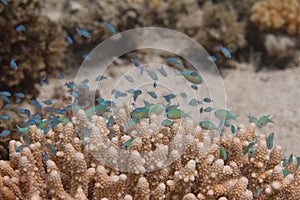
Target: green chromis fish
{"type": "Point", "coordinates": [286, 172]}
{"type": "Point", "coordinates": [129, 78]}
{"type": "Point", "coordinates": [19, 148]}
{"type": "Point", "coordinates": [162, 71]}
{"type": "Point", "coordinates": [51, 147]}
{"type": "Point", "coordinates": [192, 77]}
{"type": "Point", "coordinates": [136, 94]}
{"type": "Point", "coordinates": [253, 119]}
{"type": "Point", "coordinates": [269, 141]}
{"type": "Point", "coordinates": [140, 113]}
{"type": "Point", "coordinates": [167, 123]}
{"type": "Point", "coordinates": [44, 124]}
{"type": "Point", "coordinates": [128, 142]}
{"type": "Point", "coordinates": [4, 132]}
{"type": "Point", "coordinates": [22, 130]}
{"type": "Point", "coordinates": [223, 152]}
{"type": "Point", "coordinates": [251, 152]}
{"type": "Point", "coordinates": [99, 110]}
{"type": "Point", "coordinates": [264, 120]}
{"type": "Point", "coordinates": [225, 114]}
{"type": "Point", "coordinates": [249, 146]}
{"type": "Point", "coordinates": [290, 159]}
{"type": "Point", "coordinates": [207, 125]}
{"type": "Point", "coordinates": [176, 114]}
{"type": "Point", "coordinates": [152, 74]}
{"type": "Point", "coordinates": [156, 109]}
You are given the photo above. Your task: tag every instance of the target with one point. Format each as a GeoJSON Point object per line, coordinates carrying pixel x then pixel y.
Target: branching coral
{"type": "Point", "coordinates": [36, 49]}
{"type": "Point", "coordinates": [277, 14]}
{"type": "Point", "coordinates": [98, 166]}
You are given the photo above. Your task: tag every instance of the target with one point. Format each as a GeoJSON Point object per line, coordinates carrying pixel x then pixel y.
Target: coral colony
{"type": "Point", "coordinates": [82, 152]}
{"type": "Point", "coordinates": [150, 150]}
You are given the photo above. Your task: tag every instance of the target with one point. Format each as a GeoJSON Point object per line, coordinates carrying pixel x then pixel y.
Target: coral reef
{"type": "Point", "coordinates": [34, 42]}
{"type": "Point", "coordinates": [180, 162]}
{"type": "Point", "coordinates": [277, 15]}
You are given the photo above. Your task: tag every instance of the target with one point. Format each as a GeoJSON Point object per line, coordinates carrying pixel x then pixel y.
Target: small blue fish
{"type": "Point", "coordinates": [233, 129]}
{"type": "Point", "coordinates": [140, 113]}
{"type": "Point", "coordinates": [220, 133]}
{"type": "Point", "coordinates": [100, 99]}
{"type": "Point", "coordinates": [74, 94]}
{"type": "Point", "coordinates": [60, 76]}
{"type": "Point", "coordinates": [46, 156]}
{"type": "Point", "coordinates": [194, 86]}
{"type": "Point", "coordinates": [4, 132]}
{"type": "Point", "coordinates": [36, 103]}
{"type": "Point", "coordinates": [51, 147]}
{"type": "Point", "coordinates": [42, 81]}
{"type": "Point", "coordinates": [71, 85]}
{"type": "Point", "coordinates": [201, 110]}
{"type": "Point", "coordinates": [27, 112]}
{"type": "Point", "coordinates": [5, 98]}
{"type": "Point", "coordinates": [100, 77]}
{"type": "Point", "coordinates": [120, 94]}
{"type": "Point", "coordinates": [136, 94]}
{"type": "Point", "coordinates": [169, 97]}
{"type": "Point", "coordinates": [226, 52]}
{"type": "Point", "coordinates": [60, 111]}
{"type": "Point", "coordinates": [152, 74]}
{"type": "Point", "coordinates": [227, 123]}
{"type": "Point", "coordinates": [251, 152]}
{"type": "Point", "coordinates": [19, 148]}
{"type": "Point", "coordinates": [152, 94]}
{"type": "Point", "coordinates": [26, 139]}
{"type": "Point", "coordinates": [174, 60]}
{"type": "Point", "coordinates": [5, 93]}
{"type": "Point", "coordinates": [249, 146]}
{"type": "Point", "coordinates": [183, 95]}
{"type": "Point", "coordinates": [110, 121]}
{"type": "Point", "coordinates": [49, 109]}
{"type": "Point", "coordinates": [6, 105]}
{"type": "Point", "coordinates": [111, 27]}
{"type": "Point", "coordinates": [258, 191]}
{"type": "Point", "coordinates": [208, 109]}
{"type": "Point", "coordinates": [194, 102]}
{"type": "Point", "coordinates": [4, 116]}
{"type": "Point", "coordinates": [136, 63]}
{"type": "Point", "coordinates": [85, 81]}
{"type": "Point", "coordinates": [207, 100]}
{"type": "Point", "coordinates": [264, 120]}
{"type": "Point", "coordinates": [129, 78]}
{"type": "Point", "coordinates": [154, 84]}
{"type": "Point", "coordinates": [223, 152]}
{"type": "Point", "coordinates": [162, 71]}
{"type": "Point", "coordinates": [47, 102]}
{"type": "Point", "coordinates": [86, 56]}
{"type": "Point", "coordinates": [176, 114]}
{"type": "Point", "coordinates": [20, 110]}
{"type": "Point", "coordinates": [20, 94]}
{"type": "Point", "coordinates": [212, 58]}
{"type": "Point", "coordinates": [84, 86]}
{"type": "Point", "coordinates": [13, 63]}
{"type": "Point", "coordinates": [20, 27]}
{"type": "Point", "coordinates": [298, 163]}
{"type": "Point", "coordinates": [270, 140]}
{"type": "Point", "coordinates": [70, 40]}
{"type": "Point", "coordinates": [128, 142]}
{"type": "Point", "coordinates": [83, 33]}
{"type": "Point", "coordinates": [131, 90]}
{"type": "Point", "coordinates": [46, 129]}
{"type": "Point", "coordinates": [167, 122]}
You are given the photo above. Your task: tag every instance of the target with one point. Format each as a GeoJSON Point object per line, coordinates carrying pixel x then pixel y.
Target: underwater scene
{"type": "Point", "coordinates": [149, 99]}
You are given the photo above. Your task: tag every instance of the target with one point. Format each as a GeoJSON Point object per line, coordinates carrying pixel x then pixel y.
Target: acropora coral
{"type": "Point", "coordinates": [180, 162]}
{"type": "Point", "coordinates": [31, 40]}
{"type": "Point", "coordinates": [277, 15]}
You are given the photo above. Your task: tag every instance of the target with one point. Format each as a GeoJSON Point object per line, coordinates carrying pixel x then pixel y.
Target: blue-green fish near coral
{"type": "Point", "coordinates": [270, 140]}
{"type": "Point", "coordinates": [176, 114]}
{"type": "Point", "coordinates": [136, 94]}
{"type": "Point", "coordinates": [192, 77]}
{"type": "Point", "coordinates": [253, 119]}
{"type": "Point", "coordinates": [128, 142]}
{"type": "Point", "coordinates": [249, 146]}
{"type": "Point", "coordinates": [223, 153]}
{"type": "Point", "coordinates": [225, 114]}
{"type": "Point", "coordinates": [99, 110]}
{"type": "Point", "coordinates": [167, 123]}
{"type": "Point", "coordinates": [207, 125]}
{"type": "Point", "coordinates": [162, 71]}
{"type": "Point", "coordinates": [140, 113]}
{"type": "Point", "coordinates": [152, 74]}
{"type": "Point", "coordinates": [264, 120]}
